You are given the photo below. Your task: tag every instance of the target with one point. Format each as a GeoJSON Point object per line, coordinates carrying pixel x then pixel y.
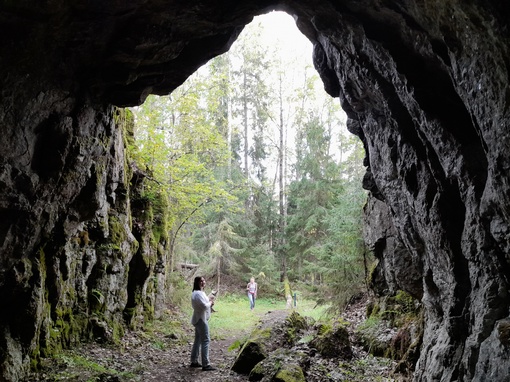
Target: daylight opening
{"type": "Point", "coordinates": [252, 165]}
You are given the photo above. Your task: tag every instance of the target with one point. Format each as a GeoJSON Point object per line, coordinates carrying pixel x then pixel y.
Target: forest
{"type": "Point", "coordinates": [252, 163]}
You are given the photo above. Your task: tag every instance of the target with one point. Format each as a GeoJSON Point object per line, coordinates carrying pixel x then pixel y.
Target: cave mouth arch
{"type": "Point", "coordinates": [286, 50]}
{"type": "Point", "coordinates": [265, 73]}
{"type": "Point", "coordinates": [425, 86]}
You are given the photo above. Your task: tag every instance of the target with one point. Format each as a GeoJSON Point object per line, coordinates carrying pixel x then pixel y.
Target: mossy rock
{"type": "Point", "coordinates": [258, 372]}
{"type": "Point", "coordinates": [117, 230]}
{"type": "Point", "coordinates": [392, 326]}
{"type": "Point", "coordinates": [296, 321]}
{"type": "Point", "coordinates": [281, 365]}
{"type": "Point", "coordinates": [333, 343]}
{"type": "Point", "coordinates": [409, 359]}
{"type": "Point", "coordinates": [290, 373]}
{"type": "Point", "coordinates": [277, 332]}
{"type": "Point", "coordinates": [396, 309]}
{"type": "Point", "coordinates": [252, 352]}
{"type": "Point", "coordinates": [295, 324]}
{"type": "Point", "coordinates": [406, 302]}
{"type": "Point", "coordinates": [376, 336]}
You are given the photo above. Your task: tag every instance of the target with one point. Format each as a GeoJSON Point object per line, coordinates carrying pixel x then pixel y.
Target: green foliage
{"type": "Point", "coordinates": [237, 344]}
{"type": "Point", "coordinates": [158, 344]}
{"type": "Point", "coordinates": [180, 290]}
{"type": "Point", "coordinates": [74, 366]}
{"type": "Point", "coordinates": [209, 155]}
{"type": "Point", "coordinates": [180, 149]}
{"type": "Point", "coordinates": [325, 214]}
{"type": "Point", "coordinates": [219, 242]}
{"type": "Point", "coordinates": [370, 322]}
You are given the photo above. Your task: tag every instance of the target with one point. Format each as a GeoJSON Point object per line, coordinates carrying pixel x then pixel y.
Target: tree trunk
{"type": "Point", "coordinates": [218, 277]}
{"type": "Point", "coordinates": [288, 292]}
{"type": "Point", "coordinates": [281, 188]}
{"type": "Point", "coordinates": [245, 123]}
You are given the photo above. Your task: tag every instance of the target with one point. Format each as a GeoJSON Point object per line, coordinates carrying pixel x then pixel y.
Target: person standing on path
{"type": "Point", "coordinates": [252, 292]}
{"type": "Point", "coordinates": [201, 312]}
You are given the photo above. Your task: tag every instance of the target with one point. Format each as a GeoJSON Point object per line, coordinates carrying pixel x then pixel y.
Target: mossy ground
{"type": "Point", "coordinates": [162, 350]}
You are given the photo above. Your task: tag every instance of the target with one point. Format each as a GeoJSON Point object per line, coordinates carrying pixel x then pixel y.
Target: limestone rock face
{"type": "Point", "coordinates": [397, 268]}
{"type": "Point", "coordinates": [425, 86]}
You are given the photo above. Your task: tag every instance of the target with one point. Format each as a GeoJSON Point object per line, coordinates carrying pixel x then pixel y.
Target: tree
{"type": "Point", "coordinates": [220, 241]}
{"type": "Point", "coordinates": [309, 199]}
{"type": "Point", "coordinates": [252, 97]}
{"type": "Point", "coordinates": [324, 227]}
{"type": "Point", "coordinates": [180, 147]}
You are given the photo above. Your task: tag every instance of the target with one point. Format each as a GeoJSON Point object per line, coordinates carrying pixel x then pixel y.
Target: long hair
{"type": "Point", "coordinates": [196, 283]}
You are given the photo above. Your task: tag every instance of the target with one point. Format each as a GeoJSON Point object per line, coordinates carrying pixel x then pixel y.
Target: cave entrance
{"type": "Point", "coordinates": [250, 152]}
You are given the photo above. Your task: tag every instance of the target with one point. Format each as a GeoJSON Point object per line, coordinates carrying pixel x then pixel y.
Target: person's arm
{"type": "Point", "coordinates": [200, 302]}
{"type": "Point", "coordinates": [205, 301]}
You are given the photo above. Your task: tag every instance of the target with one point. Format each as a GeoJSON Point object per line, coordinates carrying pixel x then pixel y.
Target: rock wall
{"type": "Point", "coordinates": [61, 169]}
{"type": "Point", "coordinates": [75, 261]}
{"type": "Point", "coordinates": [425, 86]}
{"type": "Point", "coordinates": [397, 267]}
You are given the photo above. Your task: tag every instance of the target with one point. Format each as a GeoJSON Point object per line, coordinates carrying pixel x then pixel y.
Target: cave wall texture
{"type": "Point", "coordinates": [425, 86]}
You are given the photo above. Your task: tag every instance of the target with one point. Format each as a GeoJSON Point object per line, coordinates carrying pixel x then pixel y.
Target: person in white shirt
{"type": "Point", "coordinates": [252, 292]}
{"type": "Point", "coordinates": [201, 312]}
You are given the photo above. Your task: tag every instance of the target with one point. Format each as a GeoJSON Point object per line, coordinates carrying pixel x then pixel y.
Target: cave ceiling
{"type": "Point", "coordinates": [425, 85]}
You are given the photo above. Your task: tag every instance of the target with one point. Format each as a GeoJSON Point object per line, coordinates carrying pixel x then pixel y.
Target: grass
{"type": "Point", "coordinates": [370, 323]}
{"type": "Point", "coordinates": [78, 366]}
{"type": "Point", "coordinates": [234, 317]}
{"type": "Point", "coordinates": [310, 308]}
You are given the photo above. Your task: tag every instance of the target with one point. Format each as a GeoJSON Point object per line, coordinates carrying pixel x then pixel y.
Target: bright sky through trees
{"type": "Point", "coordinates": [280, 28]}
{"type": "Point", "coordinates": [286, 44]}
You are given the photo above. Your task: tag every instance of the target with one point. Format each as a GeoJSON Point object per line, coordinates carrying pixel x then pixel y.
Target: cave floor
{"type": "Point", "coordinates": [143, 358]}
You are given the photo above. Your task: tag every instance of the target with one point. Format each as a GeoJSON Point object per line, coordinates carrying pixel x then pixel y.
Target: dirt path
{"type": "Point", "coordinates": [173, 365]}
{"type": "Point", "coordinates": [140, 358]}
{"type": "Point", "coordinates": [143, 358]}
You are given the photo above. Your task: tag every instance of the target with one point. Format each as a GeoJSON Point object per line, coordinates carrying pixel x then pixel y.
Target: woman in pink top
{"type": "Point", "coordinates": [201, 313]}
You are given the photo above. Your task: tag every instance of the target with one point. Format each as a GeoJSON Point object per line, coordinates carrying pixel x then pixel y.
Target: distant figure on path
{"type": "Point", "coordinates": [252, 292]}
{"type": "Point", "coordinates": [201, 312]}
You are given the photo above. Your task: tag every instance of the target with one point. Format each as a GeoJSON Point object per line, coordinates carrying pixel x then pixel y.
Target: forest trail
{"type": "Point", "coordinates": [141, 359]}
{"type": "Point", "coordinates": [173, 365]}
